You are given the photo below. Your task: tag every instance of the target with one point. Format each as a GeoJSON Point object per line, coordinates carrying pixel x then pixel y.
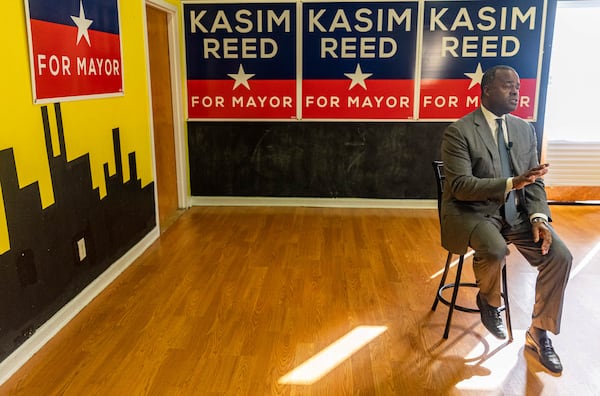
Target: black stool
{"type": "Point", "coordinates": [438, 167]}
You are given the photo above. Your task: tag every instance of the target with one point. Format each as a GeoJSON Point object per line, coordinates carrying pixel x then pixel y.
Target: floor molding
{"type": "Point", "coordinates": [316, 202]}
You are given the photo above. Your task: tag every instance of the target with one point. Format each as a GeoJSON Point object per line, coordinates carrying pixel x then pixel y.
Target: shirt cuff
{"type": "Point", "coordinates": [509, 185]}
{"type": "Point", "coordinates": [535, 215]}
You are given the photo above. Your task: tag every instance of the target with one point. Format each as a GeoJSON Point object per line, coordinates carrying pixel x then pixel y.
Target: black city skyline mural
{"type": "Point", "coordinates": [55, 252]}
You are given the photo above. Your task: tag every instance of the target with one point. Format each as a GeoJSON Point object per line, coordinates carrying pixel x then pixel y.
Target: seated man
{"type": "Point", "coordinates": [494, 193]}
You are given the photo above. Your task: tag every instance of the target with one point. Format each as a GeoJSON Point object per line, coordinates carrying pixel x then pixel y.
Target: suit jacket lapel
{"type": "Point", "coordinates": [483, 129]}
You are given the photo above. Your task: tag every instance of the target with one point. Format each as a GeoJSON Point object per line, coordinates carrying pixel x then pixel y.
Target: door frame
{"type": "Point", "coordinates": [172, 11]}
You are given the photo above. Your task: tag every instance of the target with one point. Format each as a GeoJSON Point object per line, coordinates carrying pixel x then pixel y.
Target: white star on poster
{"type": "Point", "coordinates": [475, 77]}
{"type": "Point", "coordinates": [358, 77]}
{"type": "Point", "coordinates": [241, 78]}
{"type": "Point", "coordinates": [83, 24]}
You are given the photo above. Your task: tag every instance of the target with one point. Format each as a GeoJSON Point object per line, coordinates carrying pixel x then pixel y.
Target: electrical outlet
{"type": "Point", "coordinates": [81, 249]}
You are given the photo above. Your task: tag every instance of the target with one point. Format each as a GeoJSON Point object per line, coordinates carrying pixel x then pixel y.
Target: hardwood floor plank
{"type": "Point", "coordinates": [231, 299]}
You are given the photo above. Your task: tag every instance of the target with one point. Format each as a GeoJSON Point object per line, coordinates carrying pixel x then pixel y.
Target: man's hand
{"type": "Point", "coordinates": [530, 176]}
{"type": "Point", "coordinates": [541, 231]}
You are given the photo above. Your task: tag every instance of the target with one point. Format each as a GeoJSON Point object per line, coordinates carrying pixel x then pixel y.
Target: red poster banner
{"type": "Point", "coordinates": [248, 99]}
{"type": "Point", "coordinates": [369, 99]}
{"type": "Point", "coordinates": [75, 49]}
{"type": "Point", "coordinates": [453, 98]}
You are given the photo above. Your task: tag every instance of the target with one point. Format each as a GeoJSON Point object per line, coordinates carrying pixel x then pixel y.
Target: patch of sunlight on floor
{"type": "Point", "coordinates": [329, 358]}
{"type": "Point", "coordinates": [585, 261]}
{"type": "Point", "coordinates": [452, 264]}
{"type": "Point", "coordinates": [501, 357]}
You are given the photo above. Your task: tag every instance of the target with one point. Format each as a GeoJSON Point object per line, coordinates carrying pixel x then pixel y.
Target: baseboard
{"type": "Point", "coordinates": [51, 327]}
{"type": "Point", "coordinates": [316, 202]}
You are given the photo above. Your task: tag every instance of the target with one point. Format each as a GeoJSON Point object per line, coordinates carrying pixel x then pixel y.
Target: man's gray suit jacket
{"type": "Point", "coordinates": [474, 188]}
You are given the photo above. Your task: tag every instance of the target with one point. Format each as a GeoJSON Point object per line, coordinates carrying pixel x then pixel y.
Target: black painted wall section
{"type": "Point", "coordinates": [43, 271]}
{"type": "Point", "coordinates": [313, 159]}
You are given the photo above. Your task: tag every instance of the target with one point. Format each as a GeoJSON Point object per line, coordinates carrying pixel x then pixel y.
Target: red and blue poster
{"type": "Point", "coordinates": [241, 60]}
{"type": "Point", "coordinates": [351, 60]}
{"type": "Point", "coordinates": [75, 49]}
{"type": "Point", "coordinates": [461, 39]}
{"type": "Point", "coordinates": [359, 60]}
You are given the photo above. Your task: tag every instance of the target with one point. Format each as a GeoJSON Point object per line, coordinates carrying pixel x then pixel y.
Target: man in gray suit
{"type": "Point", "coordinates": [488, 201]}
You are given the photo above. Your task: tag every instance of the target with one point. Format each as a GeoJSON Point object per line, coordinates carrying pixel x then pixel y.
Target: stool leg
{"type": "Point", "coordinates": [442, 281]}
{"type": "Point", "coordinates": [506, 303]}
{"type": "Point", "coordinates": [454, 295]}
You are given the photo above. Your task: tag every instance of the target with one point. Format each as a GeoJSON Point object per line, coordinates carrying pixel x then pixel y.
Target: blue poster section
{"type": "Point", "coordinates": [382, 36]}
{"type": "Point", "coordinates": [103, 13]}
{"type": "Point", "coordinates": [459, 34]}
{"type": "Point", "coordinates": [220, 36]}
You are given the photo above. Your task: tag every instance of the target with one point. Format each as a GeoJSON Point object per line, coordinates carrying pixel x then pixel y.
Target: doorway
{"type": "Point", "coordinates": [167, 119]}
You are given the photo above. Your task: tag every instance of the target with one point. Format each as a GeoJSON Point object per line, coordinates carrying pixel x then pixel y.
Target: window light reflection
{"type": "Point", "coordinates": [323, 362]}
{"type": "Point", "coordinates": [452, 264]}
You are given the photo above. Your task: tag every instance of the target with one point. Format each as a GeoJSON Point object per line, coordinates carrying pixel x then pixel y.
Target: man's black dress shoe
{"type": "Point", "coordinates": [545, 352]}
{"type": "Point", "coordinates": [490, 317]}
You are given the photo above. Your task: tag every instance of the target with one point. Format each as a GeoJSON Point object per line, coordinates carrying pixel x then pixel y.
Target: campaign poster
{"type": "Point", "coordinates": [241, 60]}
{"type": "Point", "coordinates": [461, 39]}
{"type": "Point", "coordinates": [359, 60]}
{"type": "Point", "coordinates": [74, 49]}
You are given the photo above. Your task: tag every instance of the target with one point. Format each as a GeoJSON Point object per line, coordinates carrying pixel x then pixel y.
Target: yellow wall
{"type": "Point", "coordinates": [88, 124]}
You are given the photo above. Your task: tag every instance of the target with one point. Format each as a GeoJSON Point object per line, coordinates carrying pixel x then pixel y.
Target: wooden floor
{"type": "Point", "coordinates": [230, 300]}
